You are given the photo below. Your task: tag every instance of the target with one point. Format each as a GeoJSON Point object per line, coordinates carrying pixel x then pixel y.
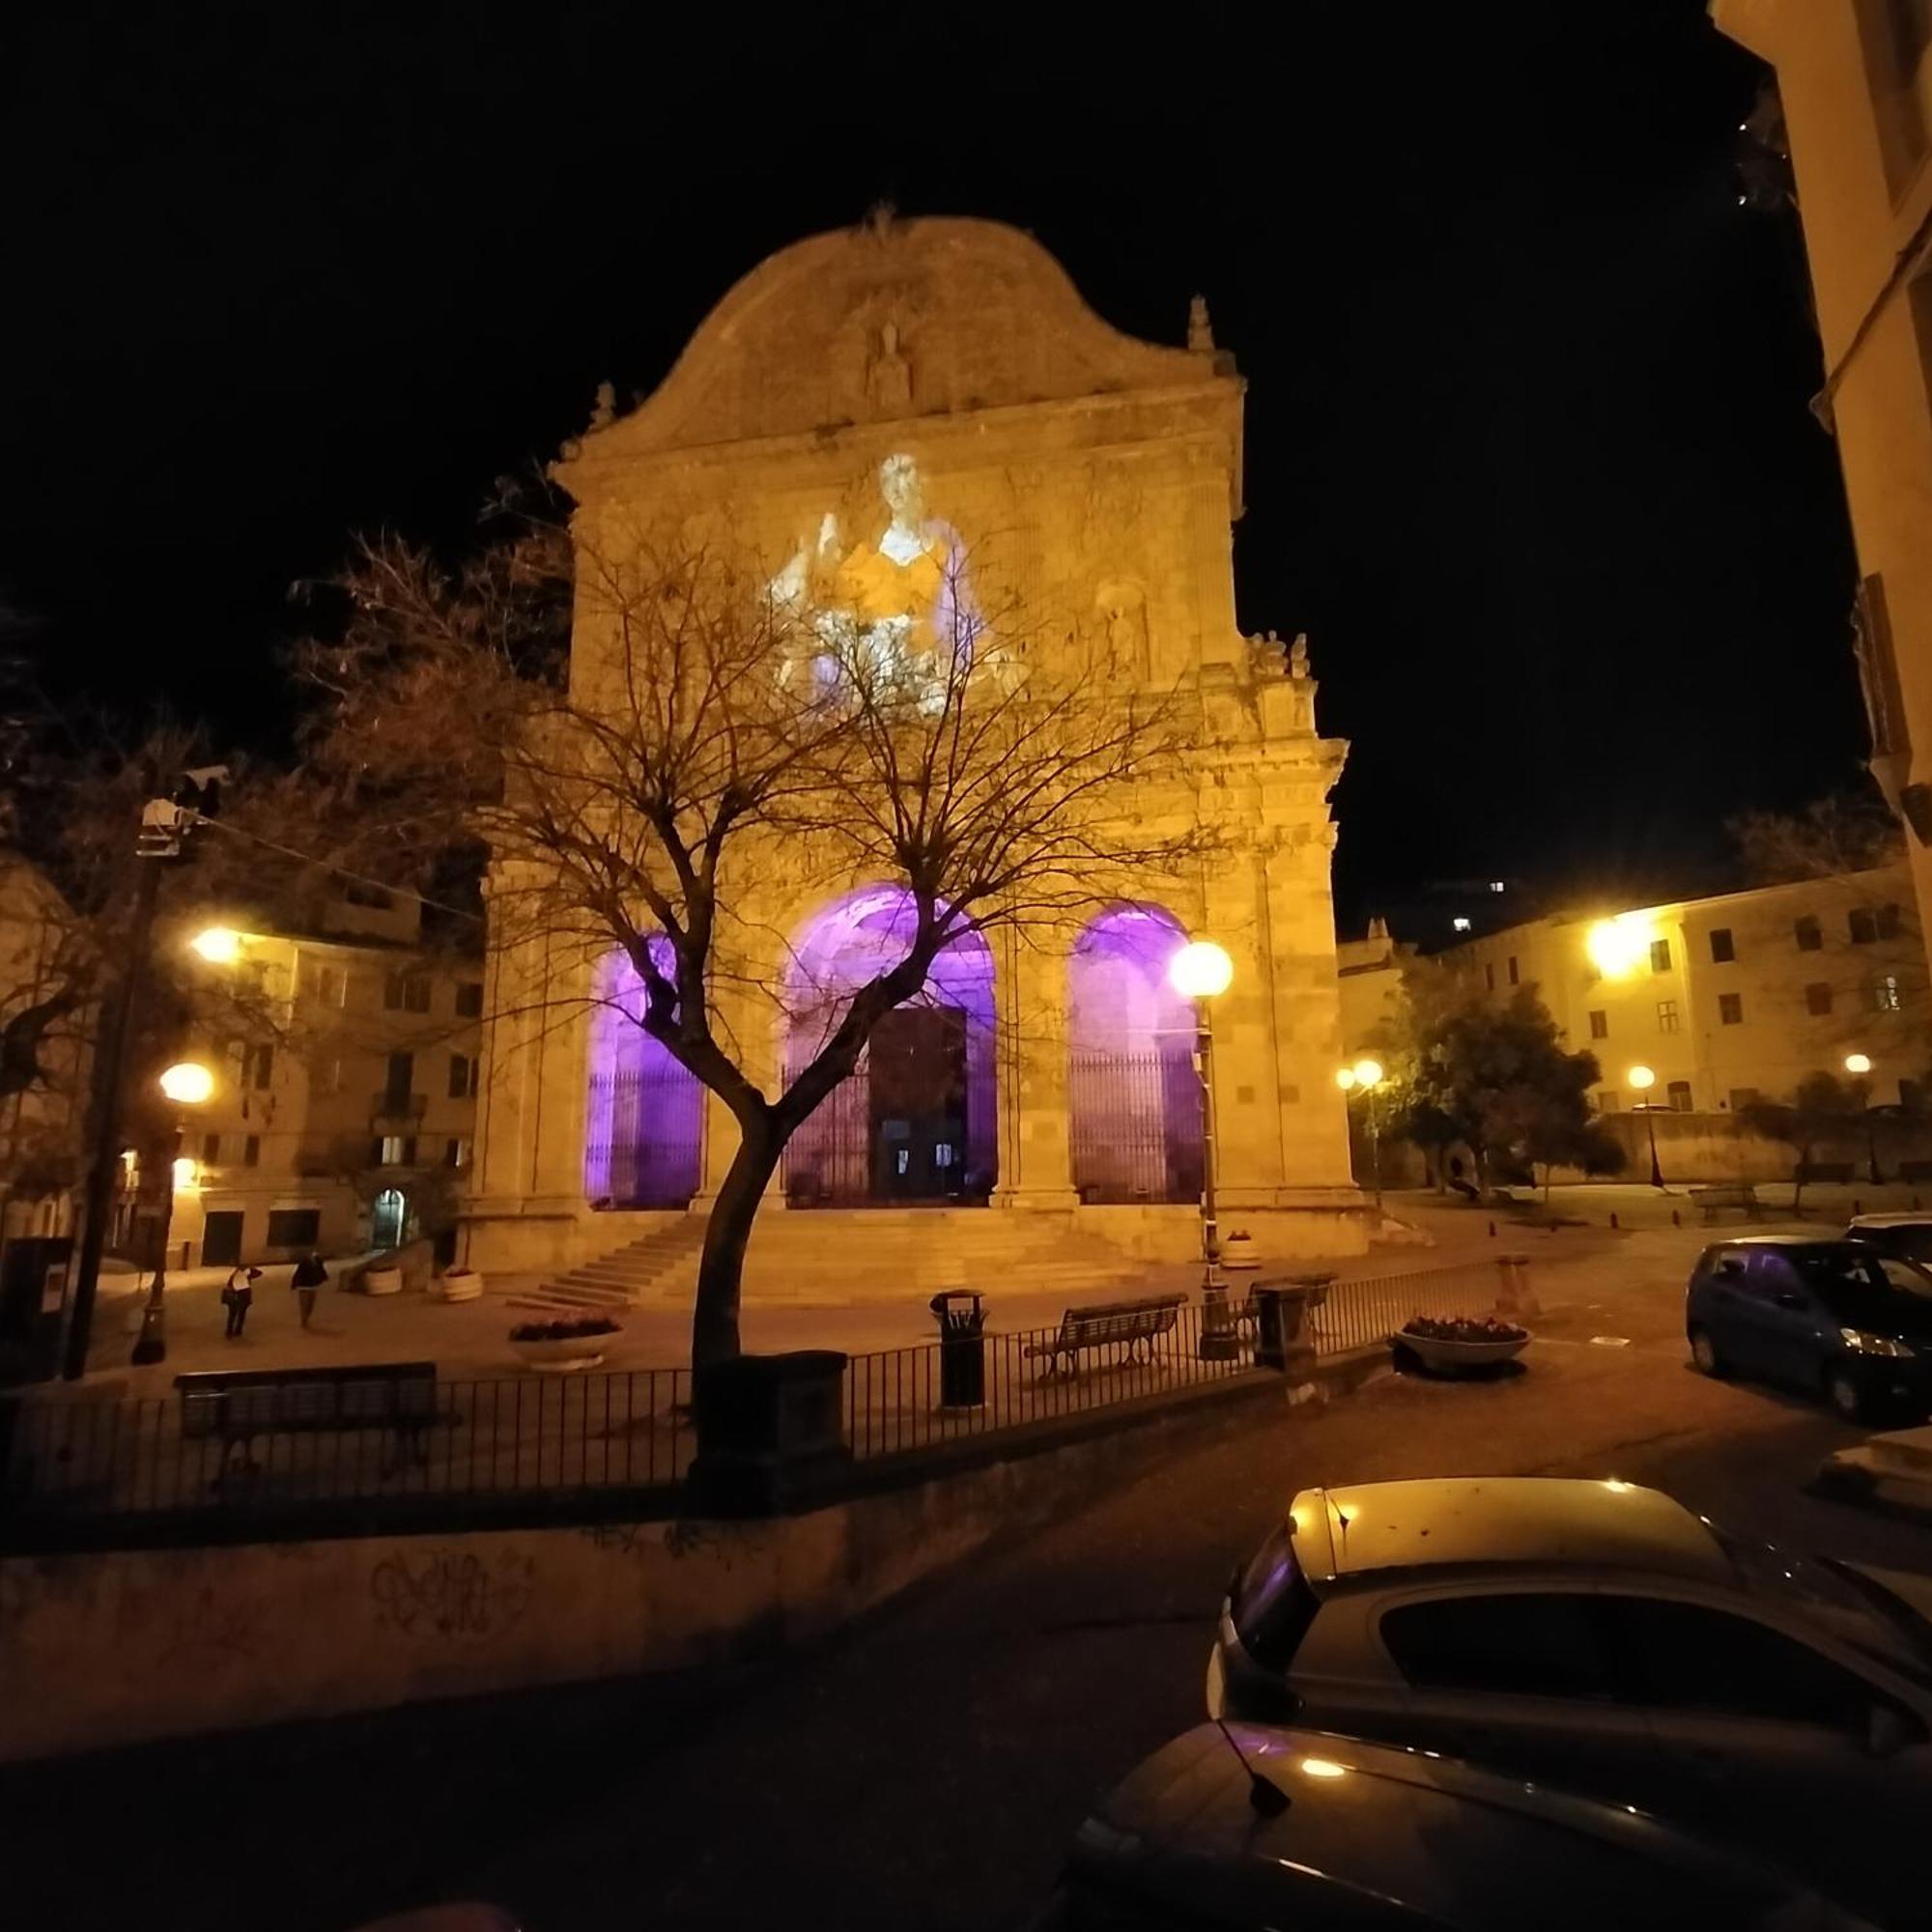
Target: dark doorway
{"type": "Point", "coordinates": [918, 1092]}
{"type": "Point", "coordinates": [221, 1240]}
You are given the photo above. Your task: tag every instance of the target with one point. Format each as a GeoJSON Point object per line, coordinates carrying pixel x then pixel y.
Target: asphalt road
{"type": "Point", "coordinates": [927, 1769]}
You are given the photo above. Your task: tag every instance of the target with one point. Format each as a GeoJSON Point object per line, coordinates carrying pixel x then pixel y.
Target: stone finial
{"type": "Point", "coordinates": [879, 219]}
{"type": "Point", "coordinates": [1297, 655]}
{"type": "Point", "coordinates": [1199, 331]}
{"type": "Point", "coordinates": [1378, 927]}
{"type": "Point", "coordinates": [604, 409]}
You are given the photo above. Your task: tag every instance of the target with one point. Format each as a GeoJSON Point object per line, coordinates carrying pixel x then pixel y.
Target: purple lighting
{"type": "Point", "coordinates": [643, 1112]}
{"type": "Point", "coordinates": [1134, 1096]}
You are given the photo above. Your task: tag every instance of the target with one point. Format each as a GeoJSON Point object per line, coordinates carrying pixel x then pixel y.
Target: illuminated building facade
{"type": "Point", "coordinates": [868, 406]}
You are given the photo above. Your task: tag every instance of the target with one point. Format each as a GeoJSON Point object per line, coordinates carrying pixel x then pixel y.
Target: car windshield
{"type": "Point", "coordinates": [1847, 1279]}
{"type": "Point", "coordinates": [1272, 1603]}
{"type": "Point", "coordinates": [1911, 1239]}
{"type": "Point", "coordinates": [1837, 1600]}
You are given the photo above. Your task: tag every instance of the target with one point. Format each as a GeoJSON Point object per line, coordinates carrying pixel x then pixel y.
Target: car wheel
{"type": "Point", "coordinates": [1842, 1393]}
{"type": "Point", "coordinates": [1704, 1352]}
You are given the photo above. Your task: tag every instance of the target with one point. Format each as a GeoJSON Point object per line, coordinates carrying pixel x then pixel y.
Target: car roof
{"type": "Point", "coordinates": [1782, 1242]}
{"type": "Point", "coordinates": [1902, 1220]}
{"type": "Point", "coordinates": [1436, 1842]}
{"type": "Point", "coordinates": [1366, 1529]}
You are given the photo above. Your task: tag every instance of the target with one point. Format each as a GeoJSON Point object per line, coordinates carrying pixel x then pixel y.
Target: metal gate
{"type": "Point", "coordinates": [1135, 1126]}
{"type": "Point", "coordinates": [647, 1135]}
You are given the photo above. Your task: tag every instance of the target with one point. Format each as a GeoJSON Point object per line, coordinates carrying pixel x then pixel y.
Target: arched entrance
{"type": "Point", "coordinates": [914, 1122]}
{"type": "Point", "coordinates": [644, 1127]}
{"type": "Point", "coordinates": [389, 1219]}
{"type": "Point", "coordinates": [1133, 1094]}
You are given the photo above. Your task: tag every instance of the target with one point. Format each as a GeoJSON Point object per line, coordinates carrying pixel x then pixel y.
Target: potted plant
{"type": "Point", "coordinates": [1238, 1250]}
{"type": "Point", "coordinates": [383, 1278]}
{"type": "Point", "coordinates": [575, 1342]}
{"type": "Point", "coordinates": [1453, 1342]}
{"type": "Point", "coordinates": [461, 1284]}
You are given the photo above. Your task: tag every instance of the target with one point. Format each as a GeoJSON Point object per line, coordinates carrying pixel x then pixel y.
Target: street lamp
{"type": "Point", "coordinates": [188, 1083]}
{"type": "Point", "coordinates": [1200, 973]}
{"type": "Point", "coordinates": [1643, 1080]}
{"type": "Point", "coordinates": [1858, 1066]}
{"type": "Point", "coordinates": [1364, 1077]}
{"type": "Point", "coordinates": [218, 944]}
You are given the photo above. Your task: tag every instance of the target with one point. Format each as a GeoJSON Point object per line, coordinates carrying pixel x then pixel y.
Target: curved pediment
{"type": "Point", "coordinates": [891, 322]}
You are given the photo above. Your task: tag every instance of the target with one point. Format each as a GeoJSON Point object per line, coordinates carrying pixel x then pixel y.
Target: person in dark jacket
{"type": "Point", "coordinates": [237, 1297]}
{"type": "Point", "coordinates": [309, 1275]}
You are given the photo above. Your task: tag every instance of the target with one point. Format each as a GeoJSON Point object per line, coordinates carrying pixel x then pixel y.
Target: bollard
{"type": "Point", "coordinates": [1515, 1297]}
{"type": "Point", "coordinates": [1493, 1231]}
{"type": "Point", "coordinates": [1858, 1207]}
{"type": "Point", "coordinates": [1915, 1203]}
{"type": "Point", "coordinates": [1614, 1218]}
{"type": "Point", "coordinates": [1676, 1220]}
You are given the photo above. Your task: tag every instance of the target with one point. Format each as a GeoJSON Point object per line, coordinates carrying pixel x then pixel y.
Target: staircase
{"type": "Point", "coordinates": [843, 1254]}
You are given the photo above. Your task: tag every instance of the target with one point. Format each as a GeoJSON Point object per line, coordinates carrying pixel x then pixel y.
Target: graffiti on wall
{"type": "Point", "coordinates": [451, 1594]}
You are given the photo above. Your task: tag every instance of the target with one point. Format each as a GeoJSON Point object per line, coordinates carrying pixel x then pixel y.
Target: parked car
{"type": "Point", "coordinates": [1600, 1637]}
{"type": "Point", "coordinates": [1372, 1836]}
{"type": "Point", "coordinates": [1842, 1320]}
{"type": "Point", "coordinates": [1907, 1235]}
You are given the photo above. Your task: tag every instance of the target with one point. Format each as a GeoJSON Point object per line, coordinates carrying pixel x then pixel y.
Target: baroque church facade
{"type": "Point", "coordinates": [857, 403]}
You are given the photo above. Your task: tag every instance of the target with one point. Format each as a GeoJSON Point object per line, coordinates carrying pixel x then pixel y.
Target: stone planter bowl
{"type": "Point", "coordinates": [1238, 1251]}
{"type": "Point", "coordinates": [381, 1281]}
{"type": "Point", "coordinates": [465, 1287]}
{"type": "Point", "coordinates": [576, 1351]}
{"type": "Point", "coordinates": [1450, 1358]}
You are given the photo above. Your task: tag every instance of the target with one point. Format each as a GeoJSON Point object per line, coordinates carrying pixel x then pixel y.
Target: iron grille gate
{"type": "Point", "coordinates": [1136, 1126]}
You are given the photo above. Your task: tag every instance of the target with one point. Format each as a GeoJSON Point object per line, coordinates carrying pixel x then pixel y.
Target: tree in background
{"type": "Point", "coordinates": [653, 731]}
{"type": "Point", "coordinates": [1824, 1108]}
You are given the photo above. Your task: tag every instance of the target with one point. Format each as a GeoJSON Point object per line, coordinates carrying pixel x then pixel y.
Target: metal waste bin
{"type": "Point", "coordinates": [962, 1348]}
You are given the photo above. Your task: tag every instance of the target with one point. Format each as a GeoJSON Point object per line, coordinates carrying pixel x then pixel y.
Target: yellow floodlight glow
{"type": "Point", "coordinates": [218, 944]}
{"type": "Point", "coordinates": [1345, 1078]}
{"type": "Point", "coordinates": [1201, 970]}
{"type": "Point", "coordinates": [1642, 1078]}
{"type": "Point", "coordinates": [1367, 1073]}
{"type": "Point", "coordinates": [188, 1083]}
{"type": "Point", "coordinates": [1323, 1767]}
{"type": "Point", "coordinates": [1618, 947]}
{"type": "Point", "coordinates": [187, 1175]}
{"type": "Point", "coordinates": [1858, 1063]}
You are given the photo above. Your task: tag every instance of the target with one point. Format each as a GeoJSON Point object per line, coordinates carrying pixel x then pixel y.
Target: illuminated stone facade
{"type": "Point", "coordinates": [856, 405]}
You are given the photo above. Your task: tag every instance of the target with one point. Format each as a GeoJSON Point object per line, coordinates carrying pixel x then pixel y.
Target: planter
{"type": "Point", "coordinates": [1238, 1251]}
{"type": "Point", "coordinates": [383, 1281]}
{"type": "Point", "coordinates": [462, 1285]}
{"type": "Point", "coordinates": [575, 1352]}
{"type": "Point", "coordinates": [1451, 1358]}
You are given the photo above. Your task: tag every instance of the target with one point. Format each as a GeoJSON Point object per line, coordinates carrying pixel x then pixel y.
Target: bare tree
{"type": "Point", "coordinates": [719, 742]}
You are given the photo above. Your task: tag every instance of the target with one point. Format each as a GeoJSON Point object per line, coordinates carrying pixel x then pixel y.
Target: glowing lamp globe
{"type": "Point", "coordinates": [1617, 946]}
{"type": "Point", "coordinates": [218, 944]}
{"type": "Point", "coordinates": [1200, 971]}
{"type": "Point", "coordinates": [188, 1083]}
{"type": "Point", "coordinates": [1345, 1078]}
{"type": "Point", "coordinates": [1367, 1073]}
{"type": "Point", "coordinates": [1642, 1079]}
{"type": "Point", "coordinates": [1858, 1063]}
{"type": "Point", "coordinates": [187, 1175]}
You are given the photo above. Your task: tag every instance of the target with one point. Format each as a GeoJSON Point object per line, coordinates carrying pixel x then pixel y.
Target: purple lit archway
{"type": "Point", "coordinates": [1133, 1092]}
{"type": "Point", "coordinates": [644, 1129]}
{"type": "Point", "coordinates": [916, 1121]}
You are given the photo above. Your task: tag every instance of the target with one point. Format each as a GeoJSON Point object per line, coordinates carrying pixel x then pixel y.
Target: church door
{"type": "Point", "coordinates": [917, 1092]}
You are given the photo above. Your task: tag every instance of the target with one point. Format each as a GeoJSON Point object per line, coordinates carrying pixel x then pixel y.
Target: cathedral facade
{"type": "Point", "coordinates": [866, 405]}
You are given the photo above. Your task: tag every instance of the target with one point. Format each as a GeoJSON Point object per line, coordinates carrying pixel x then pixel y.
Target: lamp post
{"type": "Point", "coordinates": [1200, 973]}
{"type": "Point", "coordinates": [1858, 1066]}
{"type": "Point", "coordinates": [1643, 1080]}
{"type": "Point", "coordinates": [188, 1084]}
{"type": "Point", "coordinates": [1364, 1077]}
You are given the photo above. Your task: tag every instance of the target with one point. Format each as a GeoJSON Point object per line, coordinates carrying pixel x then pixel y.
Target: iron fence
{"type": "Point", "coordinates": [1358, 1314]}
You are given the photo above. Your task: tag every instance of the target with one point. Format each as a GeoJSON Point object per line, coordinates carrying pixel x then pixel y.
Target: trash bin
{"type": "Point", "coordinates": [962, 1348]}
{"type": "Point", "coordinates": [1281, 1318]}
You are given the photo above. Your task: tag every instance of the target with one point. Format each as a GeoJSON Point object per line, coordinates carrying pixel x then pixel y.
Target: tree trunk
{"type": "Point", "coordinates": [721, 1268]}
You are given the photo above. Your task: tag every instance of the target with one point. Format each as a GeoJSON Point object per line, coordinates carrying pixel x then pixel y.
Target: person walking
{"type": "Point", "coordinates": [309, 1275]}
{"type": "Point", "coordinates": [237, 1297]}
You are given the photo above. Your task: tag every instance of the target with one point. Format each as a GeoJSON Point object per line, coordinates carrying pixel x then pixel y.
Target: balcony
{"type": "Point", "coordinates": [396, 1110]}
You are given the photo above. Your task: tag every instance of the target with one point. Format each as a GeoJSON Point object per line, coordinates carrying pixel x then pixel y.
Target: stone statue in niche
{"type": "Point", "coordinates": [1121, 610]}
{"type": "Point", "coordinates": [1297, 655]}
{"type": "Point", "coordinates": [888, 380]}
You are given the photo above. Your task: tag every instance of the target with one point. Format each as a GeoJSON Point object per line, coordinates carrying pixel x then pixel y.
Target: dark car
{"type": "Point", "coordinates": [1249, 1829]}
{"type": "Point", "coordinates": [1842, 1320]}
{"type": "Point", "coordinates": [1907, 1235]}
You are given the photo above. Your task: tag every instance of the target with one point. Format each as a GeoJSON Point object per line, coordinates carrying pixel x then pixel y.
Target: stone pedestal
{"type": "Point", "coordinates": [770, 1433]}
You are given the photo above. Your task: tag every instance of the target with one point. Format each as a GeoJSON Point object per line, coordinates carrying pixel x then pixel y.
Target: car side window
{"type": "Point", "coordinates": [1534, 1645]}
{"type": "Point", "coordinates": [1688, 1658]}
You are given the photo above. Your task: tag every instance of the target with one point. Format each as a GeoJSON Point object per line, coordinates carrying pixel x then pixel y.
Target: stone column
{"type": "Point", "coordinates": [1030, 990]}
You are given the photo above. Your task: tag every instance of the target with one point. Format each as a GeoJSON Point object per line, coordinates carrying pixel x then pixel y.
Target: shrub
{"type": "Point", "coordinates": [564, 1331]}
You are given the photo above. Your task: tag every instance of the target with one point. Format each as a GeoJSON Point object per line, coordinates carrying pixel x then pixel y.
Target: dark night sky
{"type": "Point", "coordinates": [1528, 448]}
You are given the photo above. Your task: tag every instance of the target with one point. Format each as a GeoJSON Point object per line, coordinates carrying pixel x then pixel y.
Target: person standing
{"type": "Point", "coordinates": [237, 1297]}
{"type": "Point", "coordinates": [309, 1275]}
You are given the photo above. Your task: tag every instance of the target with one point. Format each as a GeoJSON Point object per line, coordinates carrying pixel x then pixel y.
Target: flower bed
{"type": "Point", "coordinates": [1454, 1343]}
{"type": "Point", "coordinates": [1463, 1328]}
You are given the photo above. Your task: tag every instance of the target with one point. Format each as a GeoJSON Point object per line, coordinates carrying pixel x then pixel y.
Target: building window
{"type": "Point", "coordinates": [1680, 1095]}
{"type": "Point", "coordinates": [462, 1077]}
{"type": "Point", "coordinates": [1599, 1025]}
{"type": "Point", "coordinates": [406, 992]}
{"type": "Point", "coordinates": [326, 984]}
{"type": "Point", "coordinates": [1723, 948]}
{"type": "Point", "coordinates": [211, 1149]}
{"type": "Point", "coordinates": [1896, 37]}
{"type": "Point", "coordinates": [469, 1000]}
{"type": "Point", "coordinates": [377, 897]}
{"type": "Point", "coordinates": [1730, 1009]}
{"type": "Point", "coordinates": [1885, 993]}
{"type": "Point", "coordinates": [1512, 970]}
{"type": "Point", "coordinates": [1666, 1015]}
{"type": "Point", "coordinates": [251, 1151]}
{"type": "Point", "coordinates": [456, 1153]}
{"type": "Point", "coordinates": [1743, 1097]}
{"type": "Point", "coordinates": [262, 1067]}
{"type": "Point", "coordinates": [1660, 956]}
{"type": "Point", "coordinates": [1808, 933]}
{"type": "Point", "coordinates": [1608, 1101]}
{"type": "Point", "coordinates": [295, 1227]}
{"type": "Point", "coordinates": [1818, 997]}
{"type": "Point", "coordinates": [1890, 922]}
{"type": "Point", "coordinates": [396, 1151]}
{"type": "Point", "coordinates": [1861, 923]}
{"type": "Point", "coordinates": [1489, 976]}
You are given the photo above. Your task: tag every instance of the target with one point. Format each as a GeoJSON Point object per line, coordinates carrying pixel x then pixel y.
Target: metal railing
{"type": "Point", "coordinates": [1363, 1313]}
{"type": "Point", "coordinates": [894, 1399]}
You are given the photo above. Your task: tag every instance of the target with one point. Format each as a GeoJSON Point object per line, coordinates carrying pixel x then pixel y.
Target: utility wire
{"type": "Point", "coordinates": [343, 871]}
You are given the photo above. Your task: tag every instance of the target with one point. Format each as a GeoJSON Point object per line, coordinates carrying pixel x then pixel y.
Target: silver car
{"type": "Point", "coordinates": [1368, 1836]}
{"type": "Point", "coordinates": [1598, 1637]}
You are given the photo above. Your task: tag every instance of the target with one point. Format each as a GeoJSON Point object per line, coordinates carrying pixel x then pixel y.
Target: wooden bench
{"type": "Point", "coordinates": [1914, 1170]}
{"type": "Point", "coordinates": [1108, 1324]}
{"type": "Point", "coordinates": [397, 1398]}
{"type": "Point", "coordinates": [1838, 1172]}
{"type": "Point", "coordinates": [1723, 1194]}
